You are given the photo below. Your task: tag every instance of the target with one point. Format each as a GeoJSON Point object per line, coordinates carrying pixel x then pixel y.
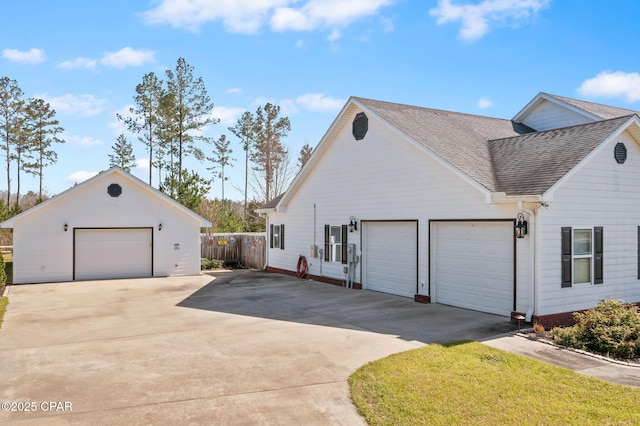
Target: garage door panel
{"type": "Point", "coordinates": [390, 257]}
{"type": "Point", "coordinates": [112, 253]}
{"type": "Point", "coordinates": [473, 264]}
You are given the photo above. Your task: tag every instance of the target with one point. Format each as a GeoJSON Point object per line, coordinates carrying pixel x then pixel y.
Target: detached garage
{"type": "Point", "coordinates": [110, 226]}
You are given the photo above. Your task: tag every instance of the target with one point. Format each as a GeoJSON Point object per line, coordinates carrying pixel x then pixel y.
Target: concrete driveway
{"type": "Point", "coordinates": [238, 347]}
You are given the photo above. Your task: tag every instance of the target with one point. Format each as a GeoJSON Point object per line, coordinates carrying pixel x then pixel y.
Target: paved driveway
{"type": "Point", "coordinates": [234, 348]}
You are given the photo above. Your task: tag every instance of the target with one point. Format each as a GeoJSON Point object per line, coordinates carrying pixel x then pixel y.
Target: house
{"type": "Point", "coordinates": [425, 203]}
{"type": "Point", "coordinates": [110, 226]}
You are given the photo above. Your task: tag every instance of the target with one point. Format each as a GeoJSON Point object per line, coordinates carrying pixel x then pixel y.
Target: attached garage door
{"type": "Point", "coordinates": [389, 256]}
{"type": "Point", "coordinates": [112, 253]}
{"type": "Point", "coordinates": [472, 265]}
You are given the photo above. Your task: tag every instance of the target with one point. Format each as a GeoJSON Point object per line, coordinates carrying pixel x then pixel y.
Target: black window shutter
{"type": "Point", "coordinates": [598, 266]}
{"type": "Point", "coordinates": [270, 236]}
{"type": "Point", "coordinates": [566, 256]}
{"type": "Point", "coordinates": [345, 238]}
{"type": "Point", "coordinates": [327, 247]}
{"type": "Point", "coordinates": [282, 237]}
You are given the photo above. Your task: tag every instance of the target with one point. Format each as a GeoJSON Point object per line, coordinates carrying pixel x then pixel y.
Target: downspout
{"type": "Point", "coordinates": [533, 258]}
{"type": "Point", "coordinates": [266, 242]}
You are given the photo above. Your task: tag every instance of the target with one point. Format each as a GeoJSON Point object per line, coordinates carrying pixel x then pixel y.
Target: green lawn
{"type": "Point", "coordinates": [3, 307]}
{"type": "Point", "coordinates": [472, 384]}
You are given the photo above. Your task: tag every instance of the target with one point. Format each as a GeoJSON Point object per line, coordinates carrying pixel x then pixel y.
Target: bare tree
{"type": "Point", "coordinates": [269, 153]}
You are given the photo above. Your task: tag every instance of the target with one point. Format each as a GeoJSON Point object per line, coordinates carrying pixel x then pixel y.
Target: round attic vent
{"type": "Point", "coordinates": [114, 190]}
{"type": "Point", "coordinates": [360, 126]}
{"type": "Point", "coordinates": [620, 153]}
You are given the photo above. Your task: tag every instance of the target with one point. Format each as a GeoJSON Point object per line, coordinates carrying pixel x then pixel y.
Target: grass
{"type": "Point", "coordinates": [3, 307]}
{"type": "Point", "coordinates": [472, 384]}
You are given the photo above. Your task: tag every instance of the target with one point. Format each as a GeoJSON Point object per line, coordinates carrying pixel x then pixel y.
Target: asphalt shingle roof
{"type": "Point", "coordinates": [530, 164]}
{"type": "Point", "coordinates": [459, 139]}
{"type": "Point", "coordinates": [603, 111]}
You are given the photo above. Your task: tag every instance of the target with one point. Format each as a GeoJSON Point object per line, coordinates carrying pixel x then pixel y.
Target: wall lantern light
{"type": "Point", "coordinates": [66, 227]}
{"type": "Point", "coordinates": [521, 226]}
{"type": "Point", "coordinates": [160, 227]}
{"type": "Point", "coordinates": [353, 224]}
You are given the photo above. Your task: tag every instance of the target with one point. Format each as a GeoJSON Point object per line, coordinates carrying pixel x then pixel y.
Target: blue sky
{"type": "Point", "coordinates": [487, 57]}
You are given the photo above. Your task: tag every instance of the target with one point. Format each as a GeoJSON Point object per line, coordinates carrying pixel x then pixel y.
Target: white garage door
{"type": "Point", "coordinates": [389, 255]}
{"type": "Point", "coordinates": [472, 265]}
{"type": "Point", "coordinates": [112, 253]}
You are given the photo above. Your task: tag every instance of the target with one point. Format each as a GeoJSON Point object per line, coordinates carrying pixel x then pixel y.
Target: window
{"type": "Point", "coordinates": [277, 236]}
{"type": "Point", "coordinates": [582, 256]}
{"type": "Point", "coordinates": [335, 243]}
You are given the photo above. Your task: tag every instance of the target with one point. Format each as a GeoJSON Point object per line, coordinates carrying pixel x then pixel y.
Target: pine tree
{"type": "Point", "coordinates": [11, 108]}
{"type": "Point", "coordinates": [122, 156]}
{"type": "Point", "coordinates": [305, 154]}
{"type": "Point", "coordinates": [221, 159]}
{"type": "Point", "coordinates": [245, 131]}
{"type": "Point", "coordinates": [43, 131]}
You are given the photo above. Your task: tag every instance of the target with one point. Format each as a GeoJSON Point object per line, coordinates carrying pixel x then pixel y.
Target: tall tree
{"type": "Point", "coordinates": [269, 152]}
{"type": "Point", "coordinates": [123, 155]}
{"type": "Point", "coordinates": [191, 111]}
{"type": "Point", "coordinates": [146, 115]}
{"type": "Point", "coordinates": [11, 108]}
{"type": "Point", "coordinates": [43, 131]}
{"type": "Point", "coordinates": [245, 131]}
{"type": "Point", "coordinates": [305, 154]}
{"type": "Point", "coordinates": [221, 158]}
{"type": "Point", "coordinates": [190, 189]}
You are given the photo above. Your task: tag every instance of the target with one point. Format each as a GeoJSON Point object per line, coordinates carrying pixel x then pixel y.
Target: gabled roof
{"type": "Point", "coordinates": [591, 110]}
{"type": "Point", "coordinates": [113, 170]}
{"type": "Point", "coordinates": [530, 164]}
{"type": "Point", "coordinates": [457, 138]}
{"type": "Point", "coordinates": [503, 156]}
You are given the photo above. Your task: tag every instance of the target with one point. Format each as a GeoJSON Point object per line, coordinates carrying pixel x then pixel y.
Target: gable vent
{"type": "Point", "coordinates": [114, 190]}
{"type": "Point", "coordinates": [360, 126]}
{"type": "Point", "coordinates": [620, 153]}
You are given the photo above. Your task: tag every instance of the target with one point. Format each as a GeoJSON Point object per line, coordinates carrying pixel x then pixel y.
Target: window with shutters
{"type": "Point", "coordinates": [582, 256]}
{"type": "Point", "coordinates": [335, 243]}
{"type": "Point", "coordinates": [277, 236]}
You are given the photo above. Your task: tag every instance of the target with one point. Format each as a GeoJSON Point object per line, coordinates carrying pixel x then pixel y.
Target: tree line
{"type": "Point", "coordinates": [28, 130]}
{"type": "Point", "coordinates": [168, 118]}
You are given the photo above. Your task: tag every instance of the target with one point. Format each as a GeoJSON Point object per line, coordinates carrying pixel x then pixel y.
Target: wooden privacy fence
{"type": "Point", "coordinates": [249, 248]}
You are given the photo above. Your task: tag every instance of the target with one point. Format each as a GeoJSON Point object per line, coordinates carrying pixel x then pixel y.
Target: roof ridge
{"type": "Point", "coordinates": [562, 98]}
{"type": "Point", "coordinates": [434, 109]}
{"type": "Point", "coordinates": [542, 132]}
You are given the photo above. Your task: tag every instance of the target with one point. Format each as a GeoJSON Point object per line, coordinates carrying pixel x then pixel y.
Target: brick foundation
{"type": "Point", "coordinates": [327, 280]}
{"type": "Point", "coordinates": [554, 320]}
{"type": "Point", "coordinates": [422, 298]}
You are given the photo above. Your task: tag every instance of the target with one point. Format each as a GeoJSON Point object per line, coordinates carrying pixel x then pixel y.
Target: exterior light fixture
{"type": "Point", "coordinates": [521, 226]}
{"type": "Point", "coordinates": [66, 227]}
{"type": "Point", "coordinates": [353, 224]}
{"type": "Point", "coordinates": [160, 227]}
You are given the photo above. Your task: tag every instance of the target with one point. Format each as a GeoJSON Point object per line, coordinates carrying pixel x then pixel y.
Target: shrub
{"type": "Point", "coordinates": [210, 263]}
{"type": "Point", "coordinates": [611, 328]}
{"type": "Point", "coordinates": [233, 263]}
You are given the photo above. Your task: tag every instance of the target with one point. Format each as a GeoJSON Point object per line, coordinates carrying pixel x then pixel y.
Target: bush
{"type": "Point", "coordinates": [233, 263]}
{"type": "Point", "coordinates": [612, 328]}
{"type": "Point", "coordinates": [210, 263]}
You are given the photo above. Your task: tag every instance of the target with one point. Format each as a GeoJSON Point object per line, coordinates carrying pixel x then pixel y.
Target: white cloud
{"type": "Point", "coordinates": [300, 44]}
{"type": "Point", "coordinates": [484, 103]}
{"type": "Point", "coordinates": [242, 16]}
{"type": "Point", "coordinates": [228, 115]}
{"type": "Point", "coordinates": [233, 90]}
{"type": "Point", "coordinates": [126, 57]}
{"type": "Point", "coordinates": [320, 13]}
{"type": "Point", "coordinates": [80, 176]}
{"type": "Point", "coordinates": [317, 102]}
{"type": "Point", "coordinates": [83, 105]}
{"type": "Point", "coordinates": [477, 18]}
{"type": "Point", "coordinates": [334, 36]}
{"type": "Point", "coordinates": [248, 16]}
{"type": "Point", "coordinates": [82, 141]}
{"type": "Point", "coordinates": [612, 84]}
{"type": "Point", "coordinates": [76, 63]}
{"type": "Point", "coordinates": [30, 57]}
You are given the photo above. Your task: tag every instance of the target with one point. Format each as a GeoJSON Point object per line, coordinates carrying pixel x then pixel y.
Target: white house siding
{"type": "Point", "coordinates": [43, 251]}
{"type": "Point", "coordinates": [548, 115]}
{"type": "Point", "coordinates": [382, 177]}
{"type": "Point", "coordinates": [602, 193]}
